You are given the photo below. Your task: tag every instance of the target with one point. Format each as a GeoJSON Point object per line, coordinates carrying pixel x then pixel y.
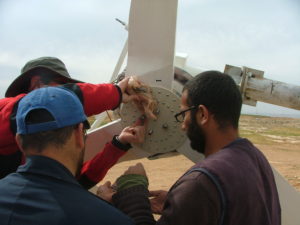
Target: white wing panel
{"type": "Point", "coordinates": [289, 199]}
{"type": "Point", "coordinates": [96, 139]}
{"type": "Point", "coordinates": [151, 41]}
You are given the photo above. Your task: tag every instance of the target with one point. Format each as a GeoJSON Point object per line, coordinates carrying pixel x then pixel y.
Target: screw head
{"type": "Point", "coordinates": [165, 126]}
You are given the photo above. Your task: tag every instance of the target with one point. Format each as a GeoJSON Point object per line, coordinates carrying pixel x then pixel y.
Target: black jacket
{"type": "Point", "coordinates": [44, 192]}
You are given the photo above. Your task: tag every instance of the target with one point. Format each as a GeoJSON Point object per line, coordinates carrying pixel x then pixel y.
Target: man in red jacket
{"type": "Point", "coordinates": [50, 71]}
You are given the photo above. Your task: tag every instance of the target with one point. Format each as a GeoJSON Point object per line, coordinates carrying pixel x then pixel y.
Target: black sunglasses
{"type": "Point", "coordinates": [180, 116]}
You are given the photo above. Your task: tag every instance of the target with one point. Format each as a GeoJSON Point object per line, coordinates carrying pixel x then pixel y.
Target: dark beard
{"type": "Point", "coordinates": [196, 135]}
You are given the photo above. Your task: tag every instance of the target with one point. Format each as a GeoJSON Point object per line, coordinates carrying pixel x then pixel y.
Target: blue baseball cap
{"type": "Point", "coordinates": [63, 105]}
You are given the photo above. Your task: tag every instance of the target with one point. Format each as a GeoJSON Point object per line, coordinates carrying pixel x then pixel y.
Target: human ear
{"type": "Point", "coordinates": [79, 136]}
{"type": "Point", "coordinates": [19, 142]}
{"type": "Point", "coordinates": [202, 115]}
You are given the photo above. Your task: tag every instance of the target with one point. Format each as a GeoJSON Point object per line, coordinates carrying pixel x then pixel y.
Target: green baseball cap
{"type": "Point", "coordinates": [21, 83]}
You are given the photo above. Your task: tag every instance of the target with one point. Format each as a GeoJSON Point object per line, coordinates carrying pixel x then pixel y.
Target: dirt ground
{"type": "Point", "coordinates": [277, 138]}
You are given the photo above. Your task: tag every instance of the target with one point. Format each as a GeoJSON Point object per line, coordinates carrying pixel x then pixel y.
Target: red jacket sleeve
{"type": "Point", "coordinates": [99, 97]}
{"type": "Point", "coordinates": [96, 168]}
{"type": "Point", "coordinates": [8, 144]}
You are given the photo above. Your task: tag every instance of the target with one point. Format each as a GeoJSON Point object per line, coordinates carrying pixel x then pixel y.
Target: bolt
{"type": "Point", "coordinates": [165, 126]}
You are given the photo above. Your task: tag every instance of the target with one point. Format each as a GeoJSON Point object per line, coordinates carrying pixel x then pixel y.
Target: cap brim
{"type": "Point", "coordinates": [21, 84]}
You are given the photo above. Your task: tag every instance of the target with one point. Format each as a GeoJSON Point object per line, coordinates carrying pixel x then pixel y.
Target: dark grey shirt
{"type": "Point", "coordinates": [246, 180]}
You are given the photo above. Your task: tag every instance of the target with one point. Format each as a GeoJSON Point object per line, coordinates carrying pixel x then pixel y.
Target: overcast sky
{"type": "Point", "coordinates": [262, 34]}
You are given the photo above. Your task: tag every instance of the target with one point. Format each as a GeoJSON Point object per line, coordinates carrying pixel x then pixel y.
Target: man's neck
{"type": "Point", "coordinates": [219, 139]}
{"type": "Point", "coordinates": [57, 155]}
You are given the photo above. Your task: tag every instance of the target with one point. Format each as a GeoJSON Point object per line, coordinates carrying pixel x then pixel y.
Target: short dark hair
{"type": "Point", "coordinates": [40, 140]}
{"type": "Point", "coordinates": [219, 93]}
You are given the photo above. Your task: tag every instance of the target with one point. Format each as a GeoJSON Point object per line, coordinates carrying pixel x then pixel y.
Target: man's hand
{"type": "Point", "coordinates": [123, 84]}
{"type": "Point", "coordinates": [136, 169]}
{"type": "Point", "coordinates": [133, 176]}
{"type": "Point", "coordinates": [157, 200]}
{"type": "Point", "coordinates": [106, 191]}
{"type": "Point", "coordinates": [134, 134]}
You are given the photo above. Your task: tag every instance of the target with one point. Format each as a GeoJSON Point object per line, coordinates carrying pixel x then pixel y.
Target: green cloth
{"type": "Point", "coordinates": [130, 180]}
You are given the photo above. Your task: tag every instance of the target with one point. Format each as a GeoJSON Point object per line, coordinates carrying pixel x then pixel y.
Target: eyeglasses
{"type": "Point", "coordinates": [180, 116]}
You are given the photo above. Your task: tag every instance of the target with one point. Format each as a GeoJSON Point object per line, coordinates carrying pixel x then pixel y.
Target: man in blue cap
{"type": "Point", "coordinates": [51, 71]}
{"type": "Point", "coordinates": [51, 126]}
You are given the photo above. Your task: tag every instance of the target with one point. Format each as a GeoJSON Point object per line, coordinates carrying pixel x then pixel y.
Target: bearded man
{"type": "Point", "coordinates": [233, 185]}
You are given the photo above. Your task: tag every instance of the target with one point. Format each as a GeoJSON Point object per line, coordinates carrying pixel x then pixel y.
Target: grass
{"type": "Point", "coordinates": [284, 131]}
{"type": "Point", "coordinates": [269, 130]}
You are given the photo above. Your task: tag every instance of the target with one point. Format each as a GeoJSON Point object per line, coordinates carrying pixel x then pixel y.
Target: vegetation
{"type": "Point", "coordinates": [270, 130]}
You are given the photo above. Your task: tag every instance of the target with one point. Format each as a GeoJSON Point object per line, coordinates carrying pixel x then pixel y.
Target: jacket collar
{"type": "Point", "coordinates": [45, 166]}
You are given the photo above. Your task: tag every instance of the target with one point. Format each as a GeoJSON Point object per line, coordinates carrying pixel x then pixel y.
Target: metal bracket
{"type": "Point", "coordinates": [242, 76]}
